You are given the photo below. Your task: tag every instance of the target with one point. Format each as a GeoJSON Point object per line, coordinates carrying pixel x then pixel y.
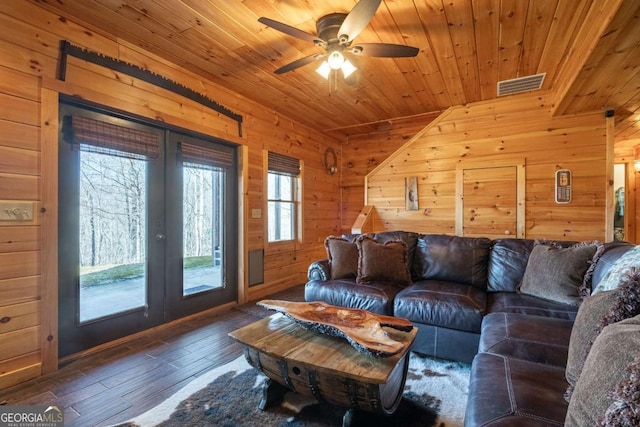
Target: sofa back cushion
{"type": "Point", "coordinates": [508, 260]}
{"type": "Point", "coordinates": [507, 264]}
{"type": "Point", "coordinates": [408, 237]}
{"type": "Point", "coordinates": [452, 258]}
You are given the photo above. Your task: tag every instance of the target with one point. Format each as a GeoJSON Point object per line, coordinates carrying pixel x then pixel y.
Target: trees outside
{"type": "Point", "coordinates": [112, 210]}
{"type": "Point", "coordinates": [202, 229]}
{"type": "Point", "coordinates": [113, 214]}
{"type": "Point", "coordinates": [201, 216]}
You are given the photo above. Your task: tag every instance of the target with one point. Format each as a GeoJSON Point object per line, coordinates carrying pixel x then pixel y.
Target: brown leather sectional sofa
{"type": "Point", "coordinates": [465, 301]}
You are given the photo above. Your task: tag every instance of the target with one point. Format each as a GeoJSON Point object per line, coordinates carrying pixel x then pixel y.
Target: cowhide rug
{"type": "Point", "coordinates": [435, 395]}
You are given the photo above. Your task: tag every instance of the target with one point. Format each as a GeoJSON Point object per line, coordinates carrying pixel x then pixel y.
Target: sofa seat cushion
{"type": "Point", "coordinates": [374, 297]}
{"type": "Point", "coordinates": [509, 302]}
{"type": "Point", "coordinates": [522, 336]}
{"type": "Point", "coordinates": [445, 304]}
{"type": "Point", "coordinates": [505, 391]}
{"type": "Point", "coordinates": [445, 343]}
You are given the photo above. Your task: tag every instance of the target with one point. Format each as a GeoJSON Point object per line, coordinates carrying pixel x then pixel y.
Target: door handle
{"type": "Point", "coordinates": [160, 236]}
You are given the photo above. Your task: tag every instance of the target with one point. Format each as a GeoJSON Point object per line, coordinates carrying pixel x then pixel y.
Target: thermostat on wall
{"type": "Point", "coordinates": [563, 186]}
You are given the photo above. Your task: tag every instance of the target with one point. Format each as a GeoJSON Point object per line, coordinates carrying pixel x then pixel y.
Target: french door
{"type": "Point", "coordinates": [147, 226]}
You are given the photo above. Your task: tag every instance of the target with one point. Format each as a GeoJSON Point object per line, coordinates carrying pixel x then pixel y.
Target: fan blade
{"type": "Point", "coordinates": [359, 17]}
{"type": "Point", "coordinates": [299, 63]}
{"type": "Point", "coordinates": [384, 50]}
{"type": "Point", "coordinates": [292, 31]}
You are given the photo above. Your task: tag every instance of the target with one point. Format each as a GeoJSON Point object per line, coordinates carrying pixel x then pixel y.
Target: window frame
{"type": "Point", "coordinates": [296, 202]}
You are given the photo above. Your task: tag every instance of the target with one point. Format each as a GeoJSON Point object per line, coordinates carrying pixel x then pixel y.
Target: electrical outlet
{"type": "Point", "coordinates": [256, 213]}
{"type": "Point", "coordinates": [16, 211]}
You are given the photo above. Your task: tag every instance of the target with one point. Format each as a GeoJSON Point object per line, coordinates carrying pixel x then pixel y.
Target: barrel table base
{"type": "Point", "coordinates": [331, 388]}
{"type": "Point", "coordinates": [324, 367]}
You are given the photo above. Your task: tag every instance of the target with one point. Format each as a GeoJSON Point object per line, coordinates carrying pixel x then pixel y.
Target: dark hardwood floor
{"type": "Point", "coordinates": [115, 384]}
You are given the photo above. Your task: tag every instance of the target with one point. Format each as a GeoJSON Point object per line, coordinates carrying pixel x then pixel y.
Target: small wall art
{"type": "Point", "coordinates": [563, 186]}
{"type": "Point", "coordinates": [411, 193]}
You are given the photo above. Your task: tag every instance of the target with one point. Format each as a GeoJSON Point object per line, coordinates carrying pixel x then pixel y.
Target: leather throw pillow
{"type": "Point", "coordinates": [343, 257]}
{"type": "Point", "coordinates": [382, 262]}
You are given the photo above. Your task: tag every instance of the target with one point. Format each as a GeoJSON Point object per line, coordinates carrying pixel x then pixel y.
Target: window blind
{"type": "Point", "coordinates": [209, 158]}
{"type": "Point", "coordinates": [96, 136]}
{"type": "Point", "coordinates": [285, 165]}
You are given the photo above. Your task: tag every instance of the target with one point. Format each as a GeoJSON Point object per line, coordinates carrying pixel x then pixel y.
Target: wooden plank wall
{"type": "Point", "coordinates": [519, 126]}
{"type": "Point", "coordinates": [362, 153]}
{"type": "Point", "coordinates": [29, 51]}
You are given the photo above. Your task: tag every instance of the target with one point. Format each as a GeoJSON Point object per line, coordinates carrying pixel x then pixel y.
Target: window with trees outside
{"type": "Point", "coordinates": [283, 184]}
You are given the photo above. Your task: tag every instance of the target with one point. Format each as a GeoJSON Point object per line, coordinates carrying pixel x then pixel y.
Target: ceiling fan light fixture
{"type": "Point", "coordinates": [324, 69]}
{"type": "Point", "coordinates": [347, 68]}
{"type": "Point", "coordinates": [335, 34]}
{"type": "Point", "coordinates": [335, 60]}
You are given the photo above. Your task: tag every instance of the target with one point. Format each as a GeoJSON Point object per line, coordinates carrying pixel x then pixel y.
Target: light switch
{"type": "Point", "coordinates": [16, 211]}
{"type": "Point", "coordinates": [256, 213]}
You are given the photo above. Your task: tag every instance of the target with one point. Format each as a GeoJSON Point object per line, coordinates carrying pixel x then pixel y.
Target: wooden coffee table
{"type": "Point", "coordinates": [324, 367]}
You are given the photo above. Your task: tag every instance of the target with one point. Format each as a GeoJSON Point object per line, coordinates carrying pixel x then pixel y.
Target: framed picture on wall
{"type": "Point", "coordinates": [411, 193]}
{"type": "Point", "coordinates": [563, 186]}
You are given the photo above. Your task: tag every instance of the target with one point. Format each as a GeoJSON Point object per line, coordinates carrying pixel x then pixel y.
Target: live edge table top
{"type": "Point", "coordinates": [280, 337]}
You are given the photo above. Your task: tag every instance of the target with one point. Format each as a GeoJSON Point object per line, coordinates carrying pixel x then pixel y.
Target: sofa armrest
{"type": "Point", "coordinates": [319, 270]}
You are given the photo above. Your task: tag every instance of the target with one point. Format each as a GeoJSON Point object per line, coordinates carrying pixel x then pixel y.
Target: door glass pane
{"type": "Point", "coordinates": [112, 235]}
{"type": "Point", "coordinates": [203, 193]}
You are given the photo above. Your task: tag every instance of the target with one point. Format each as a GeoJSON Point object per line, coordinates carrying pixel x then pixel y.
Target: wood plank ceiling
{"type": "Point", "coordinates": [466, 47]}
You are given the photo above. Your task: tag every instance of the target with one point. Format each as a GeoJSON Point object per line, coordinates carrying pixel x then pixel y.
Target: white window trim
{"type": "Point", "coordinates": [298, 203]}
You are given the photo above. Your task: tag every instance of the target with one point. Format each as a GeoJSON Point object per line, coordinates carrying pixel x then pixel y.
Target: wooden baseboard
{"type": "Point", "coordinates": [20, 375]}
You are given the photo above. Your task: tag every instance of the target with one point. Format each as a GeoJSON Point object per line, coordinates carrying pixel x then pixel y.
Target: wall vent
{"type": "Point", "coordinates": [521, 84]}
{"type": "Point", "coordinates": [256, 267]}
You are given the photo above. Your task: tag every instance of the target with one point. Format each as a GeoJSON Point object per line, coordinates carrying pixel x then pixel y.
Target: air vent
{"type": "Point", "coordinates": [521, 84]}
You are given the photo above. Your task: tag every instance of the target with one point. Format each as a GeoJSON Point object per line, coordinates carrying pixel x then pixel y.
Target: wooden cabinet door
{"type": "Point", "coordinates": [489, 202]}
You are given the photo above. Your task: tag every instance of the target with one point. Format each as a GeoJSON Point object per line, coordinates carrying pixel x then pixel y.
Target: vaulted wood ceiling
{"type": "Point", "coordinates": [589, 50]}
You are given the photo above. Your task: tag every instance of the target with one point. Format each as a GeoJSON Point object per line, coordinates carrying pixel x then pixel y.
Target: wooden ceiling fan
{"type": "Point", "coordinates": [336, 33]}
